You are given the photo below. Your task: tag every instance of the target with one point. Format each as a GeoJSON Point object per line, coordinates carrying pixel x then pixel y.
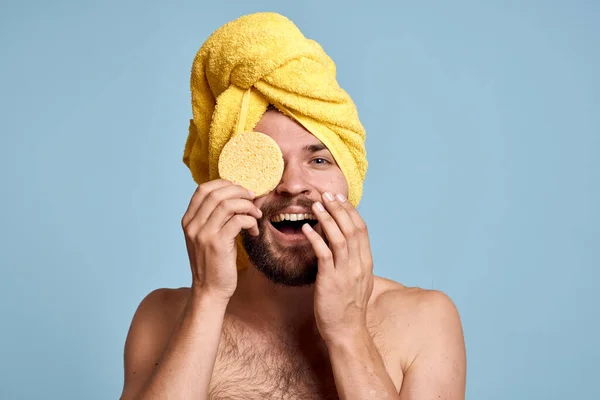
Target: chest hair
{"type": "Point", "coordinates": [273, 365]}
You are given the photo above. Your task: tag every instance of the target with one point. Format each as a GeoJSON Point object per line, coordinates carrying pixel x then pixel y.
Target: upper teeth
{"type": "Point", "coordinates": [292, 217]}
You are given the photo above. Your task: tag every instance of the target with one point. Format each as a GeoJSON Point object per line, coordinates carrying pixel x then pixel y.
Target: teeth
{"type": "Point", "coordinates": [292, 217]}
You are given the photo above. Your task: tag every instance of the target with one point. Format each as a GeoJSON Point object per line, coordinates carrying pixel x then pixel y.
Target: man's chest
{"type": "Point", "coordinates": [250, 369]}
{"type": "Point", "coordinates": [260, 381]}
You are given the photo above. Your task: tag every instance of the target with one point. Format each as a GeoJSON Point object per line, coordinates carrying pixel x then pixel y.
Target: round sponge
{"type": "Point", "coordinates": [252, 160]}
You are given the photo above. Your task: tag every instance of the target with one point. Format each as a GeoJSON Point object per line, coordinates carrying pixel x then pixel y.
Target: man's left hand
{"type": "Point", "coordinates": [345, 276]}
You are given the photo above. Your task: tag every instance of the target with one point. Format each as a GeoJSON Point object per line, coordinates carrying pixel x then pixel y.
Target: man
{"type": "Point", "coordinates": [307, 319]}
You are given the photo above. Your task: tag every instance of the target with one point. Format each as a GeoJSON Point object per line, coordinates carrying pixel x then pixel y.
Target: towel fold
{"type": "Point", "coordinates": [267, 53]}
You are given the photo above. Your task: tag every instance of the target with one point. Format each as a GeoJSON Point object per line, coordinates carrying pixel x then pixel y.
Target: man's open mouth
{"type": "Point", "coordinates": [292, 223]}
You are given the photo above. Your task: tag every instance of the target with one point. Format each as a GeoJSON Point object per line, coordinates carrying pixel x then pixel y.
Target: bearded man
{"type": "Point", "coordinates": [283, 302]}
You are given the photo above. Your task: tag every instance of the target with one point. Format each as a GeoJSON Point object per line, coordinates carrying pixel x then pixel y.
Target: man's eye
{"type": "Point", "coordinates": [320, 161]}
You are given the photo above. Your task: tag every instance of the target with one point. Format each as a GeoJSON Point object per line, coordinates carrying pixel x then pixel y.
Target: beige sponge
{"type": "Point", "coordinates": [252, 160]}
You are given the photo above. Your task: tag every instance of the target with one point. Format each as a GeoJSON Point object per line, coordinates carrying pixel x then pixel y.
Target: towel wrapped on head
{"type": "Point", "coordinates": [268, 53]}
{"type": "Point", "coordinates": [265, 57]}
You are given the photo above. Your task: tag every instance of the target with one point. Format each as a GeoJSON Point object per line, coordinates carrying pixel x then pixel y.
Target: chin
{"type": "Point", "coordinates": [292, 265]}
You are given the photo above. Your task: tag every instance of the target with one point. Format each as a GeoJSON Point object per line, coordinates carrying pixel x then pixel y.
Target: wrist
{"type": "Point", "coordinates": [348, 339]}
{"type": "Point", "coordinates": [204, 299]}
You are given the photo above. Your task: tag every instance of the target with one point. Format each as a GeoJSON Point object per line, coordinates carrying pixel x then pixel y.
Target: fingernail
{"type": "Point", "coordinates": [308, 227]}
{"type": "Point", "coordinates": [328, 196]}
{"type": "Point", "coordinates": [319, 206]}
{"type": "Point", "coordinates": [251, 193]}
{"type": "Point", "coordinates": [341, 198]}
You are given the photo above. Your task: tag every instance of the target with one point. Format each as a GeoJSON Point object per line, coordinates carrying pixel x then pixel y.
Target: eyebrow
{"type": "Point", "coordinates": [313, 148]}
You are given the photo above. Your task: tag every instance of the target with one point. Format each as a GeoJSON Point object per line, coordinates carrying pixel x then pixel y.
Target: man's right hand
{"type": "Point", "coordinates": [217, 213]}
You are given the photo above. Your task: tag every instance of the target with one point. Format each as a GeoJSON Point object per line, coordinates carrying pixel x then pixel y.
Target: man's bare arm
{"type": "Point", "coordinates": [176, 364]}
{"type": "Point", "coordinates": [359, 371]}
{"type": "Point", "coordinates": [217, 212]}
{"type": "Point", "coordinates": [437, 372]}
{"type": "Point", "coordinates": [439, 369]}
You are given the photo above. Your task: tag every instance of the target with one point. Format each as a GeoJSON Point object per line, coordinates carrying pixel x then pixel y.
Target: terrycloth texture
{"type": "Point", "coordinates": [268, 53]}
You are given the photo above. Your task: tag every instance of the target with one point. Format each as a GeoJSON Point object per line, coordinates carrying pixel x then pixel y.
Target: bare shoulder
{"type": "Point", "coordinates": [155, 318]}
{"type": "Point", "coordinates": [167, 299]}
{"type": "Point", "coordinates": [423, 333]}
{"type": "Point", "coordinates": [151, 327]}
{"type": "Point", "coordinates": [414, 320]}
{"type": "Point", "coordinates": [161, 307]}
{"type": "Point", "coordinates": [391, 299]}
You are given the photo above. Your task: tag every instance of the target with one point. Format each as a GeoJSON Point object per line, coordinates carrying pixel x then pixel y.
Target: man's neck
{"type": "Point", "coordinates": [268, 305]}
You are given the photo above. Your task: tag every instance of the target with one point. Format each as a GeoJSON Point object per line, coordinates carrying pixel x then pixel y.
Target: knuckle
{"type": "Point", "coordinates": [213, 245]}
{"type": "Point", "coordinates": [339, 243]}
{"type": "Point", "coordinates": [328, 219]}
{"type": "Point", "coordinates": [356, 275]}
{"type": "Point", "coordinates": [212, 197]}
{"type": "Point", "coordinates": [226, 206]}
{"type": "Point", "coordinates": [237, 219]}
{"type": "Point", "coordinates": [327, 256]}
{"type": "Point", "coordinates": [210, 241]}
{"type": "Point", "coordinates": [190, 230]}
{"type": "Point", "coordinates": [202, 190]}
{"type": "Point", "coordinates": [362, 227]}
{"type": "Point", "coordinates": [200, 237]}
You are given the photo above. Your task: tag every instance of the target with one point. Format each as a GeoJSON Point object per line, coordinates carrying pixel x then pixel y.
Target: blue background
{"type": "Point", "coordinates": [483, 123]}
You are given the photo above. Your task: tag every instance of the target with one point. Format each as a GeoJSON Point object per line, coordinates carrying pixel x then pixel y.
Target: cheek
{"type": "Point", "coordinates": [334, 182]}
{"type": "Point", "coordinates": [341, 184]}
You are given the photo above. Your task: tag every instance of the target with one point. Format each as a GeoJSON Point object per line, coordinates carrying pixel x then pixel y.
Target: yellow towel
{"type": "Point", "coordinates": [268, 54]}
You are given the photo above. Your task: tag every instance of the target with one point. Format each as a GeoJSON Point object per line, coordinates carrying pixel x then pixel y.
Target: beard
{"type": "Point", "coordinates": [294, 265]}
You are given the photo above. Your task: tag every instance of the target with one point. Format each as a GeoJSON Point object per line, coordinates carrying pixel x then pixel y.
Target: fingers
{"type": "Point", "coordinates": [226, 209]}
{"type": "Point", "coordinates": [338, 208]}
{"type": "Point", "coordinates": [198, 197]}
{"type": "Point", "coordinates": [345, 230]}
{"type": "Point", "coordinates": [238, 222]}
{"type": "Point", "coordinates": [357, 232]}
{"type": "Point", "coordinates": [322, 251]}
{"type": "Point", "coordinates": [214, 204]}
{"type": "Point", "coordinates": [362, 234]}
{"type": "Point", "coordinates": [337, 241]}
{"type": "Point", "coordinates": [212, 199]}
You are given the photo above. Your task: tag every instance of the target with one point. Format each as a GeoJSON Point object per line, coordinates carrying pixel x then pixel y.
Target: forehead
{"type": "Point", "coordinates": [289, 134]}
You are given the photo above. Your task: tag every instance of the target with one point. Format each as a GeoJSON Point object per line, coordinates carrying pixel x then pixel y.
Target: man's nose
{"type": "Point", "coordinates": [293, 182]}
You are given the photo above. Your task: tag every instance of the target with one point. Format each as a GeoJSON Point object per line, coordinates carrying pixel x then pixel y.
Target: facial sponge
{"type": "Point", "coordinates": [252, 160]}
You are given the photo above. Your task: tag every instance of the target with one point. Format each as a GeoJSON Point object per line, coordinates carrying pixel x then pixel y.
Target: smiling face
{"type": "Point", "coordinates": [281, 251]}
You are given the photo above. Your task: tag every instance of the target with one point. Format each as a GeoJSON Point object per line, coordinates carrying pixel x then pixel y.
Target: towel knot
{"type": "Point", "coordinates": [269, 54]}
